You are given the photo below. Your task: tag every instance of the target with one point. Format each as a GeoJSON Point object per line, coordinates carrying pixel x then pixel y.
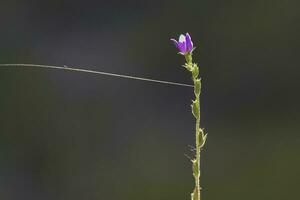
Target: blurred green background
{"type": "Point", "coordinates": [73, 136]}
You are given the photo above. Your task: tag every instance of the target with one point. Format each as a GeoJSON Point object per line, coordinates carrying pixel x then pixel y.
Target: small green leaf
{"type": "Point", "coordinates": [203, 140]}
{"type": "Point", "coordinates": [197, 87]}
{"type": "Point", "coordinates": [188, 66]}
{"type": "Point", "coordinates": [195, 71]}
{"type": "Point", "coordinates": [195, 109]}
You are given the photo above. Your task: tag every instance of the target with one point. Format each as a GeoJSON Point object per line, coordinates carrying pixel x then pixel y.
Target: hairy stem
{"type": "Point", "coordinates": [198, 149]}
{"type": "Point", "coordinates": [199, 135]}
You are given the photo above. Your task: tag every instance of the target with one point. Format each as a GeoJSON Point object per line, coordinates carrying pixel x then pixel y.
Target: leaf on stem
{"type": "Point", "coordinates": [195, 109]}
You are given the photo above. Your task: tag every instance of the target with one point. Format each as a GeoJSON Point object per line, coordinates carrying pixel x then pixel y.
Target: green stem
{"type": "Point", "coordinates": [198, 149]}
{"type": "Point", "coordinates": [199, 135]}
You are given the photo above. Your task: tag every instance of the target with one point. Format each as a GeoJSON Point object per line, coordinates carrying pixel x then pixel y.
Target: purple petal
{"type": "Point", "coordinates": [189, 43]}
{"type": "Point", "coordinates": [182, 38]}
{"type": "Point", "coordinates": [175, 42]}
{"type": "Point", "coordinates": [182, 47]}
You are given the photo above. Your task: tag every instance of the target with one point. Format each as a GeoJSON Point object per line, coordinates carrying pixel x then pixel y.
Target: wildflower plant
{"type": "Point", "coordinates": [186, 48]}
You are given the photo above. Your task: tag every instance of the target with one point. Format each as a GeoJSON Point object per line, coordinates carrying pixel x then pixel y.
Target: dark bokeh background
{"type": "Point", "coordinates": [73, 136]}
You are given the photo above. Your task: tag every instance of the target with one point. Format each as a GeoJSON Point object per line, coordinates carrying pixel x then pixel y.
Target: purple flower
{"type": "Point", "coordinates": [184, 44]}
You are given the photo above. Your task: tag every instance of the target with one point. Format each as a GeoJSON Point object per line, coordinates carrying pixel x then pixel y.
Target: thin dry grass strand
{"type": "Point", "coordinates": [97, 72]}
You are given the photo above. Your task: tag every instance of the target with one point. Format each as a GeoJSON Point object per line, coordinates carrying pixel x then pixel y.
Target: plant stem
{"type": "Point", "coordinates": [199, 135]}
{"type": "Point", "coordinates": [198, 149]}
